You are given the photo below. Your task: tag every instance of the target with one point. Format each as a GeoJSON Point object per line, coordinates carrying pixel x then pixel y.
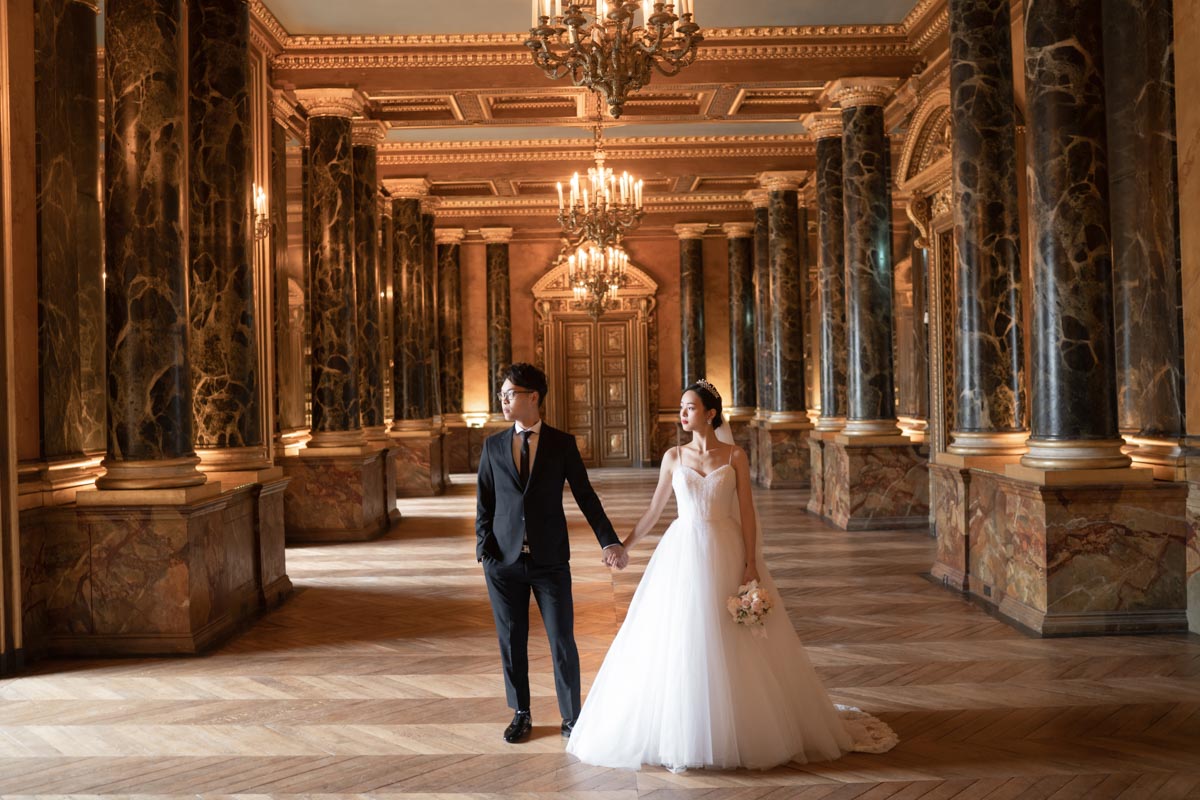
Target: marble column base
{"type": "Point", "coordinates": [1193, 544]}
{"type": "Point", "coordinates": [949, 493]}
{"type": "Point", "coordinates": [816, 460]}
{"type": "Point", "coordinates": [1080, 560]}
{"type": "Point", "coordinates": [477, 436]}
{"type": "Point", "coordinates": [666, 434]}
{"type": "Point", "coordinates": [876, 485]}
{"type": "Point", "coordinates": [337, 498]}
{"type": "Point", "coordinates": [456, 447]}
{"type": "Point", "coordinates": [127, 579]}
{"type": "Point", "coordinates": [742, 428]}
{"type": "Point", "coordinates": [417, 460]}
{"type": "Point", "coordinates": [784, 460]}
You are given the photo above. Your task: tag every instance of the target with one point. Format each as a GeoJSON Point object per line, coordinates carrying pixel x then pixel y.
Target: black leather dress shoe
{"type": "Point", "coordinates": [519, 729]}
{"type": "Point", "coordinates": [568, 726]}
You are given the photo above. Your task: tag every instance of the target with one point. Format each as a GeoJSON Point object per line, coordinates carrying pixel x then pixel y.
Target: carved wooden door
{"type": "Point", "coordinates": [598, 390]}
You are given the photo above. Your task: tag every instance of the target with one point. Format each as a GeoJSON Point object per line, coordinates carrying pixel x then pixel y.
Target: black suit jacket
{"type": "Point", "coordinates": [505, 514]}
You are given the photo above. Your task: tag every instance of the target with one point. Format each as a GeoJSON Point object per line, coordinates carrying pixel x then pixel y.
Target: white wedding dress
{"type": "Point", "coordinates": [684, 686]}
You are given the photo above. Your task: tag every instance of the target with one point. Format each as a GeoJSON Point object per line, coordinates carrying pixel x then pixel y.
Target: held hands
{"type": "Point", "coordinates": [750, 573]}
{"type": "Point", "coordinates": [616, 557]}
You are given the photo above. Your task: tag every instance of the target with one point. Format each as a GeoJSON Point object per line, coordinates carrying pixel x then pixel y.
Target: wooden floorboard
{"type": "Point", "coordinates": [381, 678]}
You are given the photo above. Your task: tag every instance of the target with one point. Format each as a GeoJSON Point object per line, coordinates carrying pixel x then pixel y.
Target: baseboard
{"type": "Point", "coordinates": [1049, 624]}
{"type": "Point", "coordinates": [12, 661]}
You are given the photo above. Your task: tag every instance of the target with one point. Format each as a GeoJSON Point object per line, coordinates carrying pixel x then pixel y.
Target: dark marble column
{"type": "Point", "coordinates": [333, 302]}
{"type": "Point", "coordinates": [288, 288]}
{"type": "Point", "coordinates": [146, 302]}
{"type": "Point", "coordinates": [691, 300]}
{"type": "Point", "coordinates": [69, 254]}
{"type": "Point", "coordinates": [450, 317]}
{"type": "Point", "coordinates": [430, 323]}
{"type": "Point", "coordinates": [1140, 88]}
{"type": "Point", "coordinates": [764, 366]}
{"type": "Point", "coordinates": [1074, 393]}
{"type": "Point", "coordinates": [826, 129]}
{"type": "Point", "coordinates": [870, 387]}
{"type": "Point", "coordinates": [224, 336]}
{"type": "Point", "coordinates": [499, 313]}
{"type": "Point", "coordinates": [410, 373]}
{"type": "Point", "coordinates": [990, 369]}
{"type": "Point", "coordinates": [741, 317]}
{"type": "Point", "coordinates": [368, 286]}
{"type": "Point", "coordinates": [788, 275]}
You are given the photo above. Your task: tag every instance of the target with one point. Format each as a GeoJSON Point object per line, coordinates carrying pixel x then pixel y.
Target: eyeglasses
{"type": "Point", "coordinates": [507, 397]}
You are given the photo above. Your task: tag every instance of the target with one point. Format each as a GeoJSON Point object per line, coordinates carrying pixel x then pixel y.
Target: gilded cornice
{"type": "Point", "coordinates": [270, 23]}
{"type": "Point", "coordinates": [919, 11]}
{"type": "Point", "coordinates": [939, 25]}
{"type": "Point", "coordinates": [542, 206]}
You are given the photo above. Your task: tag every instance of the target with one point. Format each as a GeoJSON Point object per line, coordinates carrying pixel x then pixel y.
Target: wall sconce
{"type": "Point", "coordinates": [262, 219]}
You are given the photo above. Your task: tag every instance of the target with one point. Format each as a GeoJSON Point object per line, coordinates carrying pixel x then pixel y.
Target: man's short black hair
{"type": "Point", "coordinates": [527, 376]}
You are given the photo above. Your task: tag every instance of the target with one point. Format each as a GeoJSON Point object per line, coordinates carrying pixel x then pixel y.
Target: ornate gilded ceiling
{"type": "Point", "coordinates": [468, 110]}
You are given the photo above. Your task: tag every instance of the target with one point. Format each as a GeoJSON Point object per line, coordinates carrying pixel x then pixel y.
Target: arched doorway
{"type": "Point", "coordinates": [603, 373]}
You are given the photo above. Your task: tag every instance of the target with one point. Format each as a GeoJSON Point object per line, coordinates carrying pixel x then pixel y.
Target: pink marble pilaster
{"type": "Point", "coordinates": [816, 459]}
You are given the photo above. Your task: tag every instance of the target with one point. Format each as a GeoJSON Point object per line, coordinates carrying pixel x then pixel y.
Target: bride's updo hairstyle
{"type": "Point", "coordinates": [710, 397]}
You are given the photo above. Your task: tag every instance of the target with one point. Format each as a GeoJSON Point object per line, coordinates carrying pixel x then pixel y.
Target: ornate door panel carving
{"type": "Point", "coordinates": [579, 374]}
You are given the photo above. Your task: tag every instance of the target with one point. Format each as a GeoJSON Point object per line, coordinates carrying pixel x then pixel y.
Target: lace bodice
{"type": "Point", "coordinates": [711, 496]}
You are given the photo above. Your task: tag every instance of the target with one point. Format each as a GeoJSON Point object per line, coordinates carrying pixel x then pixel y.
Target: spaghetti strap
{"type": "Point", "coordinates": [730, 462]}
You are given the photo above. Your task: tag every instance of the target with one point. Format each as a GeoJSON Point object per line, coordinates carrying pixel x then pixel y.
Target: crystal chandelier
{"type": "Point", "coordinates": [605, 50]}
{"type": "Point", "coordinates": [596, 275]}
{"type": "Point", "coordinates": [604, 207]}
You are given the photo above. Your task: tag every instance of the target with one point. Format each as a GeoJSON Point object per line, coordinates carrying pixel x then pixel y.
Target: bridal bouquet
{"type": "Point", "coordinates": [750, 607]}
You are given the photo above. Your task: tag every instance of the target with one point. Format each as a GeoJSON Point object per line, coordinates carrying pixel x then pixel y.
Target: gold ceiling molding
{"type": "Point", "coordinates": [927, 123]}
{"type": "Point", "coordinates": [401, 158]}
{"type": "Point", "coordinates": [939, 25]}
{"type": "Point", "coordinates": [919, 10]}
{"type": "Point", "coordinates": [759, 52]}
{"type": "Point", "coordinates": [581, 145]}
{"type": "Point", "coordinates": [542, 202]}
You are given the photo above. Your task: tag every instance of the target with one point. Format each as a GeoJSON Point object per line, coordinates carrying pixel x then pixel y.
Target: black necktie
{"type": "Point", "coordinates": [525, 456]}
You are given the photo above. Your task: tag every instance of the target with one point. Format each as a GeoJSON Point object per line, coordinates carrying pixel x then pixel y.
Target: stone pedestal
{"type": "Point", "coordinates": [417, 459]}
{"type": "Point", "coordinates": [666, 434]}
{"type": "Point", "coordinates": [816, 460]}
{"type": "Point", "coordinates": [268, 489]}
{"type": "Point", "coordinates": [949, 489]}
{"type": "Point", "coordinates": [783, 455]}
{"type": "Point", "coordinates": [158, 572]}
{"type": "Point", "coordinates": [456, 445]}
{"type": "Point", "coordinates": [1071, 560]}
{"type": "Point", "coordinates": [337, 497]}
{"type": "Point", "coordinates": [875, 483]}
{"type": "Point", "coordinates": [741, 425]}
{"type": "Point", "coordinates": [1193, 544]}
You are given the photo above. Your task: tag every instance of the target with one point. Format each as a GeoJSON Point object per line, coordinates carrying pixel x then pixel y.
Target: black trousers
{"type": "Point", "coordinates": [509, 587]}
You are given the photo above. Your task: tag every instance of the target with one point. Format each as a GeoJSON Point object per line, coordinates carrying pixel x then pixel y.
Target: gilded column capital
{"type": "Point", "coordinates": [854, 92]}
{"type": "Point", "coordinates": [496, 235]}
{"type": "Point", "coordinates": [758, 198]}
{"type": "Point", "coordinates": [823, 124]}
{"type": "Point", "coordinates": [345, 103]}
{"type": "Point", "coordinates": [781, 181]}
{"type": "Point", "coordinates": [691, 230]}
{"type": "Point", "coordinates": [429, 204]}
{"type": "Point", "coordinates": [406, 188]}
{"type": "Point", "coordinates": [449, 235]}
{"type": "Point", "coordinates": [367, 132]}
{"type": "Point", "coordinates": [738, 230]}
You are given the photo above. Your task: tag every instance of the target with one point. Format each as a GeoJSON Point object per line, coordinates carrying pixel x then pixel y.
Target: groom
{"type": "Point", "coordinates": [521, 539]}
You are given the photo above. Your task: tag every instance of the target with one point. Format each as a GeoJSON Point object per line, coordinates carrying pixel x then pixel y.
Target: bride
{"type": "Point", "coordinates": [683, 685]}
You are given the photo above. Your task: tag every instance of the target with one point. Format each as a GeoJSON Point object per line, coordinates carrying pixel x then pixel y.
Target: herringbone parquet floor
{"type": "Point", "coordinates": [380, 678]}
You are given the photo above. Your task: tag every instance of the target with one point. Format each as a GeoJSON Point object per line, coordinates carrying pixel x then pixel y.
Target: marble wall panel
{"type": "Point", "coordinates": [991, 543]}
{"type": "Point", "coordinates": [221, 301]}
{"type": "Point", "coordinates": [333, 303]}
{"type": "Point", "coordinates": [831, 276]}
{"type": "Point", "coordinates": [949, 489]}
{"type": "Point", "coordinates": [784, 457]}
{"type": "Point", "coordinates": [887, 486]}
{"type": "Point", "coordinates": [69, 252]}
{"type": "Point", "coordinates": [413, 459]}
{"type": "Point", "coordinates": [1192, 558]}
{"type": "Point", "coordinates": [274, 582]}
{"type": "Point", "coordinates": [837, 482]}
{"type": "Point", "coordinates": [368, 286]}
{"type": "Point", "coordinates": [336, 498]}
{"type": "Point", "coordinates": [146, 310]}
{"type": "Point", "coordinates": [691, 309]}
{"type": "Point", "coordinates": [816, 497]}
{"type": "Point", "coordinates": [140, 571]}
{"type": "Point", "coordinates": [1073, 379]}
{"type": "Point", "coordinates": [990, 374]}
{"type": "Point", "coordinates": [1140, 92]}
{"type": "Point", "coordinates": [870, 387]}
{"type": "Point", "coordinates": [743, 433]}
{"type": "Point", "coordinates": [788, 275]}
{"type": "Point", "coordinates": [763, 336]}
{"type": "Point", "coordinates": [499, 318]}
{"type": "Point", "coordinates": [741, 322]}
